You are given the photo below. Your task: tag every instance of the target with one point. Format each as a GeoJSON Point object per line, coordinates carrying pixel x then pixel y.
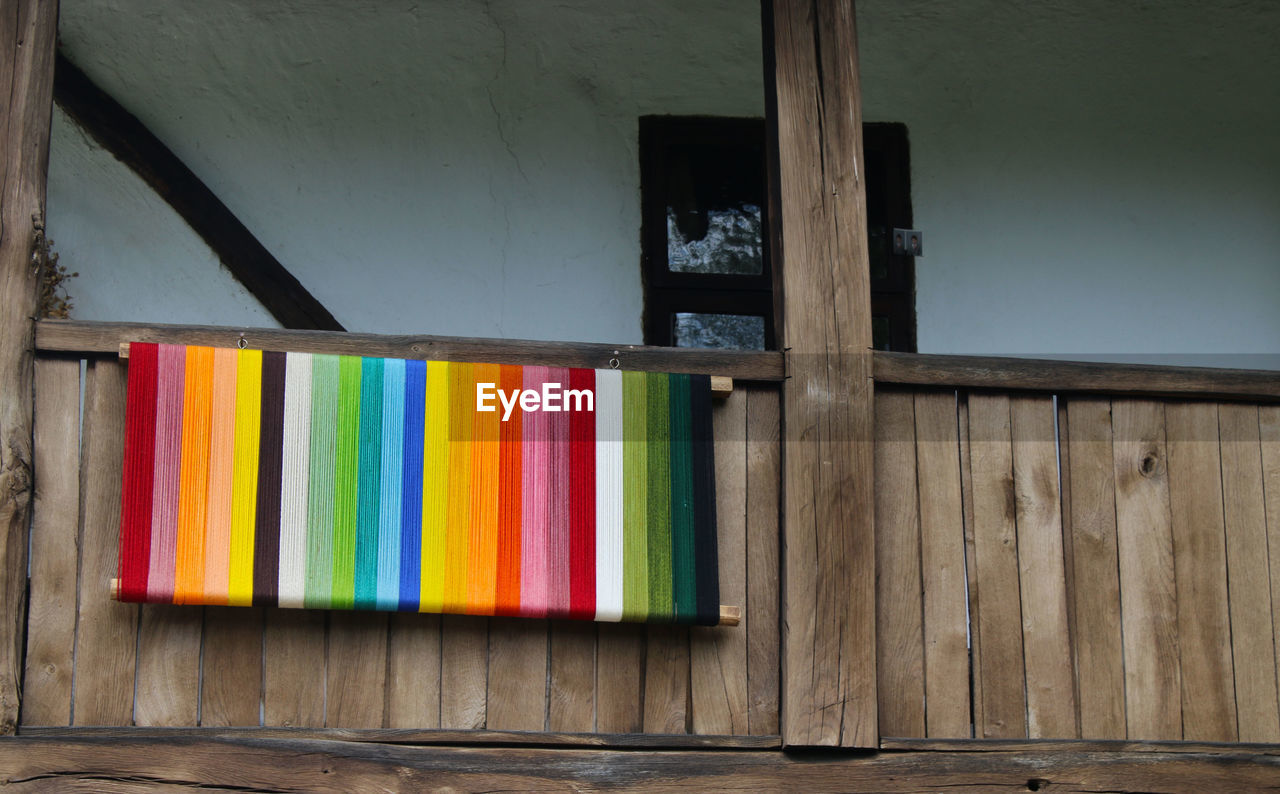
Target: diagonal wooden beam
{"type": "Point", "coordinates": [829, 607]}
{"type": "Point", "coordinates": [27, 32]}
{"type": "Point", "coordinates": [128, 139]}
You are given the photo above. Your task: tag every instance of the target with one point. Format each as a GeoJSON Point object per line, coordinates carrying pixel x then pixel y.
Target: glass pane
{"type": "Point", "coordinates": [880, 332]}
{"type": "Point", "coordinates": [741, 331]}
{"type": "Point", "coordinates": [730, 243]}
{"type": "Point", "coordinates": [714, 196]}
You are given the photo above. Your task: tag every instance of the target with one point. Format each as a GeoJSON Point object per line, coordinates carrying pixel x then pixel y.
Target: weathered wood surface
{"type": "Point", "coordinates": [28, 29]}
{"type": "Point", "coordinates": [55, 543]}
{"type": "Point", "coordinates": [69, 336]}
{"type": "Point", "coordinates": [128, 139]}
{"type": "Point", "coordinates": [282, 765]}
{"type": "Point", "coordinates": [1045, 375]}
{"type": "Point", "coordinates": [829, 642]}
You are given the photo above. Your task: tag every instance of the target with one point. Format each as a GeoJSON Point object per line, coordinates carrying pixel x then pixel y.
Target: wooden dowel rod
{"type": "Point", "coordinates": [729, 615]}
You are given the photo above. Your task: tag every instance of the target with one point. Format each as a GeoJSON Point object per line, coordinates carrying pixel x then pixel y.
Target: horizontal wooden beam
{"type": "Point", "coordinates": [128, 139]}
{"type": "Point", "coordinates": [1073, 746]}
{"type": "Point", "coordinates": [89, 338]}
{"type": "Point", "coordinates": [309, 765]}
{"type": "Point", "coordinates": [1048, 375]}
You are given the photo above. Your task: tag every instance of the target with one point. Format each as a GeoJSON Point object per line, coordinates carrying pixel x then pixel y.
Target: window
{"type": "Point", "coordinates": [707, 273]}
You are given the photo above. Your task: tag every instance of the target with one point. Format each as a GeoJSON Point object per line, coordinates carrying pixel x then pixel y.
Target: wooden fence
{"type": "Point", "coordinates": [1077, 567]}
{"type": "Point", "coordinates": [91, 661]}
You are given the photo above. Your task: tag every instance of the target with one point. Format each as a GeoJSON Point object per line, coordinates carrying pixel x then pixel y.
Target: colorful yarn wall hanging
{"type": "Point", "coordinates": [346, 482]}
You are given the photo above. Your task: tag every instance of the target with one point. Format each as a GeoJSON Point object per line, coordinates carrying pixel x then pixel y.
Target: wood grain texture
{"type": "Point", "coordinates": [231, 682]}
{"type": "Point", "coordinates": [129, 141]}
{"type": "Point", "coordinates": [413, 671]}
{"type": "Point", "coordinates": [106, 631]}
{"type": "Point", "coordinates": [106, 338]}
{"type": "Point", "coordinates": [1043, 375]}
{"type": "Point", "coordinates": [970, 563]}
{"type": "Point", "coordinates": [1269, 436]}
{"type": "Point", "coordinates": [517, 695]}
{"type": "Point", "coordinates": [764, 469]}
{"type": "Point", "coordinates": [571, 705]}
{"type": "Point", "coordinates": [899, 609]}
{"type": "Point", "coordinates": [325, 766]}
{"type": "Point", "coordinates": [829, 645]}
{"type": "Point", "coordinates": [293, 685]}
{"type": "Point", "coordinates": [999, 622]}
{"type": "Point", "coordinates": [1046, 641]}
{"type": "Point", "coordinates": [620, 678]}
{"type": "Point", "coordinates": [356, 670]}
{"type": "Point", "coordinates": [464, 671]}
{"type": "Point", "coordinates": [1153, 679]}
{"type": "Point", "coordinates": [28, 29]}
{"type": "Point", "coordinates": [666, 679]}
{"type": "Point", "coordinates": [55, 545]}
{"type": "Point", "coordinates": [168, 689]}
{"type": "Point", "coordinates": [718, 655]}
{"type": "Point", "coordinates": [1200, 572]}
{"type": "Point", "coordinates": [1099, 651]}
{"type": "Point", "coordinates": [946, 624]}
{"type": "Point", "coordinates": [1252, 631]}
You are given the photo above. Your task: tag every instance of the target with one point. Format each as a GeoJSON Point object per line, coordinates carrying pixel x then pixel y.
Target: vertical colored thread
{"type": "Point", "coordinates": [482, 559]}
{"type": "Point", "coordinates": [658, 421]}
{"type": "Point", "coordinates": [462, 397]}
{"type": "Point", "coordinates": [411, 493]}
{"type": "Point", "coordinates": [559, 531]}
{"type": "Point", "coordinates": [535, 507]}
{"type": "Point", "coordinates": [170, 371]}
{"type": "Point", "coordinates": [707, 570]}
{"type": "Point", "coordinates": [346, 483]}
{"type": "Point", "coordinates": [392, 464]}
{"type": "Point", "coordinates": [294, 480]}
{"type": "Point", "coordinates": [321, 480]}
{"type": "Point", "coordinates": [436, 451]}
{"type": "Point", "coordinates": [266, 536]}
{"type": "Point", "coordinates": [197, 414]}
{"type": "Point", "coordinates": [610, 520]}
{"type": "Point", "coordinates": [369, 467]}
{"type": "Point", "coordinates": [510, 480]}
{"type": "Point", "coordinates": [244, 491]}
{"type": "Point", "coordinates": [139, 473]}
{"type": "Point", "coordinates": [682, 555]}
{"type": "Point", "coordinates": [582, 493]}
{"type": "Point", "coordinates": [635, 496]}
{"type": "Point", "coordinates": [222, 444]}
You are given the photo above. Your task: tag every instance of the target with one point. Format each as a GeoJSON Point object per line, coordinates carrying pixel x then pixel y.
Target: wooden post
{"type": "Point", "coordinates": [829, 643]}
{"type": "Point", "coordinates": [27, 32]}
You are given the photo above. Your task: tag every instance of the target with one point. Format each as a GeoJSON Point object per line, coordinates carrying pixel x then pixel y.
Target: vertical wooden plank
{"type": "Point", "coordinates": [293, 686]}
{"type": "Point", "coordinates": [517, 692]}
{"type": "Point", "coordinates": [231, 673]}
{"type": "Point", "coordinates": [829, 645]}
{"type": "Point", "coordinates": [1252, 632]}
{"type": "Point", "coordinates": [413, 669]}
{"type": "Point", "coordinates": [464, 671]}
{"type": "Point", "coordinates": [1153, 678]}
{"type": "Point", "coordinates": [1004, 705]}
{"type": "Point", "coordinates": [619, 682]}
{"type": "Point", "coordinates": [51, 618]}
{"type": "Point", "coordinates": [106, 631]}
{"type": "Point", "coordinates": [1269, 434]}
{"type": "Point", "coordinates": [1200, 572]}
{"type": "Point", "coordinates": [946, 626]}
{"type": "Point", "coordinates": [28, 29]}
{"type": "Point", "coordinates": [764, 472]}
{"type": "Point", "coordinates": [976, 700]}
{"type": "Point", "coordinates": [666, 680]}
{"type": "Point", "coordinates": [168, 666]}
{"type": "Point", "coordinates": [899, 609]}
{"type": "Point", "coordinates": [356, 672]}
{"type": "Point", "coordinates": [1050, 675]}
{"type": "Point", "coordinates": [572, 704]}
{"type": "Point", "coordinates": [1099, 651]}
{"type": "Point", "coordinates": [719, 654]}
{"type": "Point", "coordinates": [1068, 542]}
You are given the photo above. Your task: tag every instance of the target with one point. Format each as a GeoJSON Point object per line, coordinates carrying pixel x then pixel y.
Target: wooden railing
{"type": "Point", "coordinates": [1054, 562]}
{"type": "Point", "coordinates": [91, 661]}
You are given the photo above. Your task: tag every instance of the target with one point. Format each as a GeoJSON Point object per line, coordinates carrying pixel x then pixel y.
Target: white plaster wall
{"type": "Point", "coordinates": [1093, 178]}
{"type": "Point", "coordinates": [452, 166]}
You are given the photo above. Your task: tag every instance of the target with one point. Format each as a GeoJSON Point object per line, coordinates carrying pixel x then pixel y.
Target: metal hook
{"type": "Point", "coordinates": [242, 343]}
{"type": "Point", "coordinates": [614, 363]}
